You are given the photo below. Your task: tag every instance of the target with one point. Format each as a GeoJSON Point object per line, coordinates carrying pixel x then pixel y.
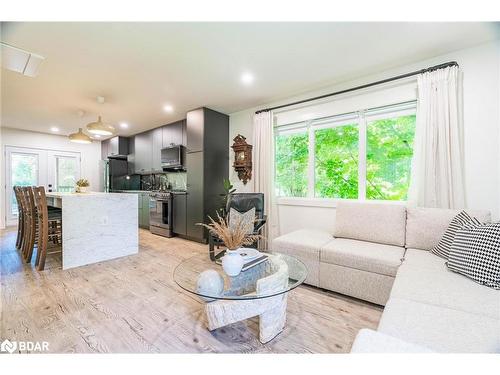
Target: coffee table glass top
{"type": "Point", "coordinates": [205, 278]}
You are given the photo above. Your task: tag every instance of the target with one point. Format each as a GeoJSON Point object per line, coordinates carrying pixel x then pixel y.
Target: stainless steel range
{"type": "Point", "coordinates": [160, 213]}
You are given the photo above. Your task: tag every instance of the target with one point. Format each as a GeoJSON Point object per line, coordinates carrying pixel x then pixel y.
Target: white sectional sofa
{"type": "Point", "coordinates": [380, 253]}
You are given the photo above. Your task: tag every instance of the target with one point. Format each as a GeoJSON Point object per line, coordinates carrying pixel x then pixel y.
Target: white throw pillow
{"type": "Point", "coordinates": [242, 219]}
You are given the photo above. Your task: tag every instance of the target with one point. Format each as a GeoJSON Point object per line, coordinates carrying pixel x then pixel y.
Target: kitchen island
{"type": "Point", "coordinates": [96, 226]}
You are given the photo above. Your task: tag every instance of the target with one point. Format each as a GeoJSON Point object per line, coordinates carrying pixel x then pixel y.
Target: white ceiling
{"type": "Point", "coordinates": [139, 67]}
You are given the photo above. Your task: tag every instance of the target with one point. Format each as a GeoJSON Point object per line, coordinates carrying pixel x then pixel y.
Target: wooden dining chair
{"type": "Point", "coordinates": [49, 228]}
{"type": "Point", "coordinates": [20, 218]}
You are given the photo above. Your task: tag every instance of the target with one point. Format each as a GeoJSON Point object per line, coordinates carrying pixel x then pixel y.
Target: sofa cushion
{"type": "Point", "coordinates": [426, 226]}
{"type": "Point", "coordinates": [375, 222]}
{"type": "Point", "coordinates": [362, 255]}
{"type": "Point", "coordinates": [439, 328]}
{"type": "Point", "coordinates": [423, 277]}
{"type": "Point", "coordinates": [475, 253]}
{"type": "Point", "coordinates": [369, 341]}
{"type": "Point", "coordinates": [304, 244]}
{"type": "Point", "coordinates": [463, 219]}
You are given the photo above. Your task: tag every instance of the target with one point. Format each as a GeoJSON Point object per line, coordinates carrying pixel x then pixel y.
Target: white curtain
{"type": "Point", "coordinates": [263, 172]}
{"type": "Point", "coordinates": [437, 168]}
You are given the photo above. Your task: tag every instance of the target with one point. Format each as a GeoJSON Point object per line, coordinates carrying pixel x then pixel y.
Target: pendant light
{"type": "Point", "coordinates": [100, 128]}
{"type": "Point", "coordinates": [80, 137]}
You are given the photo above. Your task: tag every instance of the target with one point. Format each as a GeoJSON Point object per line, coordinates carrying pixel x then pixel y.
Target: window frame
{"type": "Point", "coordinates": [361, 118]}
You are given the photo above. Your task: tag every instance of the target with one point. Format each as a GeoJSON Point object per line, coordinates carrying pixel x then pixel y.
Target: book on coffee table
{"type": "Point", "coordinates": [249, 264]}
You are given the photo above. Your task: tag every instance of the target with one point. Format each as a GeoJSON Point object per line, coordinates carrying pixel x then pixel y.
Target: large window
{"type": "Point", "coordinates": [362, 155]}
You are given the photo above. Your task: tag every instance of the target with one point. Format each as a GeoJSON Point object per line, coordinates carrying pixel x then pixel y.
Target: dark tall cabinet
{"type": "Point", "coordinates": [207, 164]}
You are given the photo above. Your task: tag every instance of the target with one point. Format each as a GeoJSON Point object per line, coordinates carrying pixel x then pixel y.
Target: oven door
{"type": "Point", "coordinates": [159, 213]}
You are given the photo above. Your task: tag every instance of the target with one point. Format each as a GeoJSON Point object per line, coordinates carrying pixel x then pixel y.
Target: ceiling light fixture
{"type": "Point", "coordinates": [54, 129]}
{"type": "Point", "coordinates": [123, 125]}
{"type": "Point", "coordinates": [80, 137]}
{"type": "Point", "coordinates": [100, 128]}
{"type": "Point", "coordinates": [168, 108]}
{"type": "Point", "coordinates": [247, 78]}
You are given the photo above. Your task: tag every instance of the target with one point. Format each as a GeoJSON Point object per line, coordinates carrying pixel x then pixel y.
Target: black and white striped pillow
{"type": "Point", "coordinates": [475, 253]}
{"type": "Point", "coordinates": [442, 249]}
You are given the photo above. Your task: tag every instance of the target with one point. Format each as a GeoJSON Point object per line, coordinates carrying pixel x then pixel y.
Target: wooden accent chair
{"type": "Point", "coordinates": [28, 222]}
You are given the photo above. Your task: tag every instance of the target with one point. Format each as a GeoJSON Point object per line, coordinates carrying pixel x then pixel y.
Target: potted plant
{"type": "Point", "coordinates": [234, 236]}
{"type": "Point", "coordinates": [81, 185]}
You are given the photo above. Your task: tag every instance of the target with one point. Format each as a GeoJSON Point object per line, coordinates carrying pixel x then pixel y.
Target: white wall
{"type": "Point", "coordinates": [90, 155]}
{"type": "Point", "coordinates": [481, 84]}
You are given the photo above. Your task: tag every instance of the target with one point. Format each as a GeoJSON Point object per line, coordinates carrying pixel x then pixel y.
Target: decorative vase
{"type": "Point", "coordinates": [232, 263]}
{"type": "Point", "coordinates": [210, 284]}
{"type": "Point", "coordinates": [81, 189]}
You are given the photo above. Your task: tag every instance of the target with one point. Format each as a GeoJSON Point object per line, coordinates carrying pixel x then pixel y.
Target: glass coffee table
{"type": "Point", "coordinates": [259, 291]}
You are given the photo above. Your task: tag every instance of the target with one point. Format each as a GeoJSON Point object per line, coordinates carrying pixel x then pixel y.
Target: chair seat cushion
{"type": "Point", "coordinates": [439, 328]}
{"type": "Point", "coordinates": [369, 341]}
{"type": "Point", "coordinates": [362, 255]}
{"type": "Point", "coordinates": [424, 277]}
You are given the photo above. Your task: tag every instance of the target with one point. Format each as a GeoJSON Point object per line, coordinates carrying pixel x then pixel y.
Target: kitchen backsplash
{"type": "Point", "coordinates": [164, 181]}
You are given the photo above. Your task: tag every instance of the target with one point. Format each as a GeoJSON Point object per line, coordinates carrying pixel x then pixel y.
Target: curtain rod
{"type": "Point", "coordinates": [421, 71]}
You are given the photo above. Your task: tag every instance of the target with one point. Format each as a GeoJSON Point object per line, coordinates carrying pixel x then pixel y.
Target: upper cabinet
{"type": "Point", "coordinates": [156, 146]}
{"type": "Point", "coordinates": [143, 152]}
{"type": "Point", "coordinates": [194, 127]}
{"type": "Point", "coordinates": [173, 134]}
{"type": "Point", "coordinates": [116, 146]}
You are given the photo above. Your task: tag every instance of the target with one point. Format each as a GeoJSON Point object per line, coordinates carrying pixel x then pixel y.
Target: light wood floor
{"type": "Point", "coordinates": [132, 304]}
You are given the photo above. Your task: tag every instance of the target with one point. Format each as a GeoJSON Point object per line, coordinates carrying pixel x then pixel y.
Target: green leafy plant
{"type": "Point", "coordinates": [228, 190]}
{"type": "Point", "coordinates": [82, 182]}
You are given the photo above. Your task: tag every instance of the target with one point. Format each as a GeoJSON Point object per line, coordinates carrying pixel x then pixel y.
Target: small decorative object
{"type": "Point", "coordinates": [81, 185]}
{"type": "Point", "coordinates": [242, 158]}
{"type": "Point", "coordinates": [234, 237]}
{"type": "Point", "coordinates": [232, 262]}
{"type": "Point", "coordinates": [210, 283]}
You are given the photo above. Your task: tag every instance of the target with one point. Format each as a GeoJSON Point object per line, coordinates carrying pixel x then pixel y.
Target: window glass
{"type": "Point", "coordinates": [389, 150]}
{"type": "Point", "coordinates": [66, 173]}
{"type": "Point", "coordinates": [291, 163]}
{"type": "Point", "coordinates": [336, 162]}
{"type": "Point", "coordinates": [24, 169]}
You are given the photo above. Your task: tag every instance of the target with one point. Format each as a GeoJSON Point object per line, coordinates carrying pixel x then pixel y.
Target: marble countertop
{"type": "Point", "coordinates": [87, 194]}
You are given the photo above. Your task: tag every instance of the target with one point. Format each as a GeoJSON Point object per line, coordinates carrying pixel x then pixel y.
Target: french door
{"type": "Point", "coordinates": [55, 170]}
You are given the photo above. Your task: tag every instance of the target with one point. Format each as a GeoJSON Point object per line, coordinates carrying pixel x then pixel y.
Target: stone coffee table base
{"type": "Point", "coordinates": [270, 310]}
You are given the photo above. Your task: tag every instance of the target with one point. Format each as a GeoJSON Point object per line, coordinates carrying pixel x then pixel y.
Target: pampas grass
{"type": "Point", "coordinates": [234, 237]}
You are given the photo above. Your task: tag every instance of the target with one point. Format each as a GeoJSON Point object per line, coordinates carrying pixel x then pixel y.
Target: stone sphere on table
{"type": "Point", "coordinates": [210, 283]}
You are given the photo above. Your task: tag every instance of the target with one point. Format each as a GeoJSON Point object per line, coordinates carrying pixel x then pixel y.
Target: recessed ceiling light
{"type": "Point", "coordinates": [123, 125]}
{"type": "Point", "coordinates": [168, 108]}
{"type": "Point", "coordinates": [247, 78]}
{"type": "Point", "coordinates": [54, 129]}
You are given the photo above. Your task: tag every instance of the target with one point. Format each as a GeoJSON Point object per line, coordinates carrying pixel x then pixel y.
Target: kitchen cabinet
{"type": "Point", "coordinates": [172, 134]}
{"type": "Point", "coordinates": [206, 168]}
{"type": "Point", "coordinates": [156, 146]}
{"type": "Point", "coordinates": [194, 203]}
{"type": "Point", "coordinates": [179, 214]}
{"type": "Point", "coordinates": [195, 130]}
{"type": "Point", "coordinates": [143, 153]}
{"type": "Point", "coordinates": [144, 210]}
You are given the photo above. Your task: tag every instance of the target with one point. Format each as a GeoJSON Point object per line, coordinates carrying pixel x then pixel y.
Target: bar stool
{"type": "Point", "coordinates": [20, 218]}
{"type": "Point", "coordinates": [29, 222]}
{"type": "Point", "coordinates": [49, 227]}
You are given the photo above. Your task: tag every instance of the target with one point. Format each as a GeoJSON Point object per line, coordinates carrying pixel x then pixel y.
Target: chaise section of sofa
{"type": "Point", "coordinates": [304, 244]}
